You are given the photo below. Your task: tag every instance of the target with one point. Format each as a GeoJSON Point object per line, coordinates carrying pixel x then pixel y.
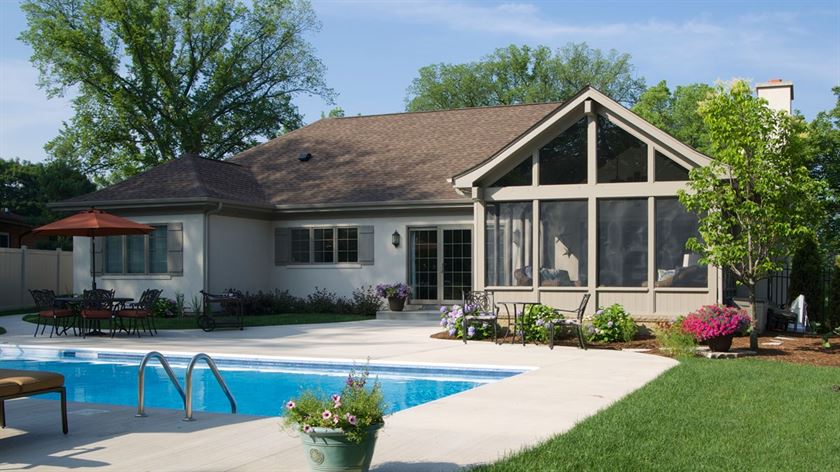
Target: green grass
{"type": "Point", "coordinates": [744, 415]}
{"type": "Point", "coordinates": [255, 320]}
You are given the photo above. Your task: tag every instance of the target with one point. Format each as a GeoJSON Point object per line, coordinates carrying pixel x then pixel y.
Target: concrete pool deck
{"type": "Point", "coordinates": [475, 426]}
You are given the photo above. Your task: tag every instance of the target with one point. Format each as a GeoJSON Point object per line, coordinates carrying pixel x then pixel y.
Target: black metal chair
{"type": "Point", "coordinates": [97, 306]}
{"type": "Point", "coordinates": [141, 312]}
{"type": "Point", "coordinates": [49, 314]}
{"type": "Point", "coordinates": [482, 309]}
{"type": "Point", "coordinates": [576, 323]}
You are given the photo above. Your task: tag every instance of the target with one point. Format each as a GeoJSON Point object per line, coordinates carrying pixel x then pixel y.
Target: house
{"type": "Point", "coordinates": [539, 202]}
{"type": "Point", "coordinates": [15, 231]}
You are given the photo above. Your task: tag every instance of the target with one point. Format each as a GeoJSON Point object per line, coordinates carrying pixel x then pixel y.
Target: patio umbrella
{"type": "Point", "coordinates": [93, 223]}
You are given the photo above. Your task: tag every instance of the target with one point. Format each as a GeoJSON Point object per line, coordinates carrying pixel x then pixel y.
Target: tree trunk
{"type": "Point", "coordinates": [754, 316]}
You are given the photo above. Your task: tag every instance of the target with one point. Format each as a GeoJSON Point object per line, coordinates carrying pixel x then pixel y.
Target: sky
{"type": "Point", "coordinates": [373, 49]}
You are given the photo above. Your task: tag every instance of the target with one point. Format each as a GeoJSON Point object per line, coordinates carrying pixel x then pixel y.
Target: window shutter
{"type": "Point", "coordinates": [282, 245]}
{"type": "Point", "coordinates": [366, 245]}
{"type": "Point", "coordinates": [175, 248]}
{"type": "Point", "coordinates": [98, 256]}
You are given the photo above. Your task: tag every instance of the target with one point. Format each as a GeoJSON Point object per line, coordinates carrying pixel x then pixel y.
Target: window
{"type": "Point", "coordinates": [300, 246]}
{"type": "Point", "coordinates": [137, 254]}
{"type": "Point", "coordinates": [328, 245]}
{"type": "Point", "coordinates": [622, 243]}
{"type": "Point", "coordinates": [667, 170]}
{"type": "Point", "coordinates": [675, 265]}
{"type": "Point", "coordinates": [509, 246]}
{"type": "Point", "coordinates": [4, 240]}
{"type": "Point", "coordinates": [563, 160]}
{"type": "Point", "coordinates": [621, 156]}
{"type": "Point", "coordinates": [563, 246]}
{"type": "Point", "coordinates": [519, 176]}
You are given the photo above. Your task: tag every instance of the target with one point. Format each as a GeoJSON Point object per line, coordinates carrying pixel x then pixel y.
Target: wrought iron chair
{"type": "Point", "coordinates": [141, 313]}
{"type": "Point", "coordinates": [576, 323]}
{"type": "Point", "coordinates": [47, 311]}
{"type": "Point", "coordinates": [480, 304]}
{"type": "Point", "coordinates": [97, 305]}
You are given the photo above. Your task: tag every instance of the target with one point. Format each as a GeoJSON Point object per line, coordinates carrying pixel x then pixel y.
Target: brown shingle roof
{"type": "Point", "coordinates": [399, 157]}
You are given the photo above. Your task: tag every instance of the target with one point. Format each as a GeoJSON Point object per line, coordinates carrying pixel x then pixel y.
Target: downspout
{"type": "Point", "coordinates": [206, 258]}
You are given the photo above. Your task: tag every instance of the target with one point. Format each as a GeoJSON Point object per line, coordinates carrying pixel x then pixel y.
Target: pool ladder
{"type": "Point", "coordinates": [186, 397]}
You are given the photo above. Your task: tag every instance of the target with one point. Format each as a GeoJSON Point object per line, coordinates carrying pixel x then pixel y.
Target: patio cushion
{"type": "Point", "coordinates": [55, 313]}
{"type": "Point", "coordinates": [13, 382]}
{"type": "Point", "coordinates": [96, 314]}
{"type": "Point", "coordinates": [133, 313]}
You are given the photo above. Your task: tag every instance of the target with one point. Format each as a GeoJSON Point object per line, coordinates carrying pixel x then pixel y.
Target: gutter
{"type": "Point", "coordinates": [206, 252]}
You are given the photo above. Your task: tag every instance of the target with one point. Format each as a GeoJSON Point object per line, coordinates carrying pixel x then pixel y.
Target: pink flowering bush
{"type": "Point", "coordinates": [358, 407]}
{"type": "Point", "coordinates": [712, 321]}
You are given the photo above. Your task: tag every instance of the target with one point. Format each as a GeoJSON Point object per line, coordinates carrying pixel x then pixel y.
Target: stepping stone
{"type": "Point", "coordinates": [783, 338]}
{"type": "Point", "coordinates": [771, 344]}
{"type": "Point", "coordinates": [637, 350]}
{"type": "Point", "coordinates": [732, 354]}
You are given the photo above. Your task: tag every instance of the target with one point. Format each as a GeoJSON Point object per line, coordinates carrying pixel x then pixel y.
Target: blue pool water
{"type": "Point", "coordinates": [260, 386]}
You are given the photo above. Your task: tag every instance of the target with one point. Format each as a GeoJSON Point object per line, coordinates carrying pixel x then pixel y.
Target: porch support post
{"type": "Point", "coordinates": [651, 260]}
{"type": "Point", "coordinates": [592, 204]}
{"type": "Point", "coordinates": [479, 246]}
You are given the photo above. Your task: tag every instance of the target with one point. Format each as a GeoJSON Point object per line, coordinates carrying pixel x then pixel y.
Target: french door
{"type": "Point", "coordinates": [440, 263]}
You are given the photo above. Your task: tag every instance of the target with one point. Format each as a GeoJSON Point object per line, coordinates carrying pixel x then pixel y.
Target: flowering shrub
{"type": "Point", "coordinates": [674, 339]}
{"type": "Point", "coordinates": [397, 290]}
{"type": "Point", "coordinates": [533, 322]}
{"type": "Point", "coordinates": [611, 324]}
{"type": "Point", "coordinates": [712, 321]}
{"type": "Point", "coordinates": [353, 411]}
{"type": "Point", "coordinates": [452, 319]}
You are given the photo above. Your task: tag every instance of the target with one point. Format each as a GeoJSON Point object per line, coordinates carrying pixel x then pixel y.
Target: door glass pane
{"type": "Point", "coordinates": [675, 265]}
{"type": "Point", "coordinates": [508, 254]}
{"type": "Point", "coordinates": [622, 243]}
{"type": "Point", "coordinates": [113, 254]}
{"type": "Point", "coordinates": [563, 160]}
{"type": "Point", "coordinates": [424, 260]}
{"type": "Point", "coordinates": [563, 256]}
{"type": "Point", "coordinates": [323, 244]}
{"type": "Point", "coordinates": [519, 176]}
{"type": "Point", "coordinates": [457, 263]}
{"type": "Point", "coordinates": [300, 246]}
{"type": "Point", "coordinates": [157, 251]}
{"type": "Point", "coordinates": [621, 156]}
{"type": "Point", "coordinates": [135, 246]}
{"type": "Point", "coordinates": [348, 244]}
{"type": "Point", "coordinates": [668, 170]}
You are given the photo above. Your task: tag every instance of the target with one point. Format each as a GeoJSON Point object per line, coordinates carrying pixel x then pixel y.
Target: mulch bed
{"type": "Point", "coordinates": [794, 348]}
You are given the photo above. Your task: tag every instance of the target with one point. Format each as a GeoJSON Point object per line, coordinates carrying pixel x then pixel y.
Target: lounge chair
{"type": "Point", "coordinates": [26, 383]}
{"type": "Point", "coordinates": [141, 312]}
{"type": "Point", "coordinates": [49, 314]}
{"type": "Point", "coordinates": [576, 322]}
{"type": "Point", "coordinates": [485, 311]}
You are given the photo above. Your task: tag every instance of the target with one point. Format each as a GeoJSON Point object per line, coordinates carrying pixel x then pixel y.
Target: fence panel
{"type": "Point", "coordinates": [24, 269]}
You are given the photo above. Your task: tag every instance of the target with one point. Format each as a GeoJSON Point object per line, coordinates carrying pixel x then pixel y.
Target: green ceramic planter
{"type": "Point", "coordinates": [329, 450]}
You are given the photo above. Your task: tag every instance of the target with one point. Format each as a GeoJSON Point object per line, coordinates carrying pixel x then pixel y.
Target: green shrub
{"type": "Point", "coordinates": [806, 279]}
{"type": "Point", "coordinates": [674, 340]}
{"type": "Point", "coordinates": [533, 322]}
{"type": "Point", "coordinates": [452, 319]}
{"type": "Point", "coordinates": [611, 324]}
{"type": "Point", "coordinates": [366, 301]}
{"type": "Point", "coordinates": [165, 308]}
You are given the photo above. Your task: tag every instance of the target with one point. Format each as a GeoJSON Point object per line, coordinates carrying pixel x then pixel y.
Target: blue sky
{"type": "Point", "coordinates": [372, 49]}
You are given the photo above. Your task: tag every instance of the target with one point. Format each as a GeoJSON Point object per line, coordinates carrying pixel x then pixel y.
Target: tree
{"type": "Point", "coordinates": [336, 112]}
{"type": "Point", "coordinates": [756, 199]}
{"type": "Point", "coordinates": [806, 278]}
{"type": "Point", "coordinates": [159, 78]}
{"type": "Point", "coordinates": [515, 74]}
{"type": "Point", "coordinates": [824, 131]}
{"type": "Point", "coordinates": [677, 113]}
{"type": "Point", "coordinates": [26, 188]}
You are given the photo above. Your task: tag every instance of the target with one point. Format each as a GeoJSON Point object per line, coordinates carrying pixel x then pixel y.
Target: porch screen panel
{"type": "Point", "coordinates": [520, 175]}
{"type": "Point", "coordinates": [563, 160]}
{"type": "Point", "coordinates": [621, 156]}
{"type": "Point", "coordinates": [509, 249]}
{"type": "Point", "coordinates": [668, 170]}
{"type": "Point", "coordinates": [563, 246]}
{"type": "Point", "coordinates": [676, 266]}
{"type": "Point", "coordinates": [622, 243]}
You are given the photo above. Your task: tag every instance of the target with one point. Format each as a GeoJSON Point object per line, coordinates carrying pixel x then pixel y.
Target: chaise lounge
{"type": "Point", "coordinates": [26, 383]}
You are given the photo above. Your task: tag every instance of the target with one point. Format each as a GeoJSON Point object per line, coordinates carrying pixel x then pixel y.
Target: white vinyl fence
{"type": "Point", "coordinates": [24, 269]}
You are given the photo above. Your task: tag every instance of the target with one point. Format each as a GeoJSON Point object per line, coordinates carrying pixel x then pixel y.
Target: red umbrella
{"type": "Point", "coordinates": [93, 223]}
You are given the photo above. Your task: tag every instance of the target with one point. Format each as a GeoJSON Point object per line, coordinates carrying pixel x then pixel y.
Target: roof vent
{"type": "Point", "coordinates": [304, 156]}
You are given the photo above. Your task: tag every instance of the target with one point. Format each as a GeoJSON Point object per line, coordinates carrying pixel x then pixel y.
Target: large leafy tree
{"type": "Point", "coordinates": [26, 188]}
{"type": "Point", "coordinates": [158, 78]}
{"type": "Point", "coordinates": [677, 112]}
{"type": "Point", "coordinates": [521, 74]}
{"type": "Point", "coordinates": [825, 138]}
{"type": "Point", "coordinates": [757, 197]}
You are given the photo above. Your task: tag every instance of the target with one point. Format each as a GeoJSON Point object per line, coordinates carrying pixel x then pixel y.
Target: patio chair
{"type": "Point", "coordinates": [576, 323]}
{"type": "Point", "coordinates": [97, 305]}
{"type": "Point", "coordinates": [141, 312]}
{"type": "Point", "coordinates": [49, 314]}
{"type": "Point", "coordinates": [486, 311]}
{"type": "Point", "coordinates": [26, 383]}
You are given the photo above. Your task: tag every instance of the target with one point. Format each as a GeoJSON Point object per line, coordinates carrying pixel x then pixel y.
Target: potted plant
{"type": "Point", "coordinates": [716, 325]}
{"type": "Point", "coordinates": [339, 432]}
{"type": "Point", "coordinates": [395, 293]}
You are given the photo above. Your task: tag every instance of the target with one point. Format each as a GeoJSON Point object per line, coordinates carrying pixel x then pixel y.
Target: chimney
{"type": "Point", "coordinates": [778, 93]}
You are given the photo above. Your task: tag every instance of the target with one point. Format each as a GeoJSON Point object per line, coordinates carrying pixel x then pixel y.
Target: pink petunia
{"type": "Point", "coordinates": [290, 404]}
{"type": "Point", "coordinates": [327, 414]}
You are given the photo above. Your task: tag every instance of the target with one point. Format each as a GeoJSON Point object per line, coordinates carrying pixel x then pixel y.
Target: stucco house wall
{"type": "Point", "coordinates": [240, 254]}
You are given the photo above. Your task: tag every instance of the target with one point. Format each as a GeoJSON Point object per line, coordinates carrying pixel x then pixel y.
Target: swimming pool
{"type": "Point", "coordinates": [259, 384]}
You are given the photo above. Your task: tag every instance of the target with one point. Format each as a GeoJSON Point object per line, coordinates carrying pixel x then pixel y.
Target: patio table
{"type": "Point", "coordinates": [117, 303]}
{"type": "Point", "coordinates": [519, 309]}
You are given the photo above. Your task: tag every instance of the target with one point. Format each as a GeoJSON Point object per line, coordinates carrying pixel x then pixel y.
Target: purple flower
{"type": "Point", "coordinates": [336, 398]}
{"type": "Point", "coordinates": [452, 331]}
{"type": "Point", "coordinates": [471, 331]}
{"type": "Point", "coordinates": [327, 414]}
{"type": "Point", "coordinates": [599, 312]}
{"type": "Point", "coordinates": [307, 428]}
{"type": "Point", "coordinates": [540, 322]}
{"type": "Point", "coordinates": [351, 419]}
{"type": "Point", "coordinates": [443, 309]}
{"type": "Point", "coordinates": [335, 420]}
{"type": "Point", "coordinates": [290, 404]}
{"type": "Point", "coordinates": [610, 324]}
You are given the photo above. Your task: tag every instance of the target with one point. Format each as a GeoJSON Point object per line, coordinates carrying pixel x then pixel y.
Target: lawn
{"type": "Point", "coordinates": [741, 415]}
{"type": "Point", "coordinates": [255, 320]}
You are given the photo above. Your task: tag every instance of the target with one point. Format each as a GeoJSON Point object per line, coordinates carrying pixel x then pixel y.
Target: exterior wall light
{"type": "Point", "coordinates": [395, 238]}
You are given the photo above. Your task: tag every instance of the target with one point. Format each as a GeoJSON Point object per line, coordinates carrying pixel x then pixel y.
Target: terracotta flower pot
{"type": "Point", "coordinates": [720, 343]}
{"type": "Point", "coordinates": [396, 303]}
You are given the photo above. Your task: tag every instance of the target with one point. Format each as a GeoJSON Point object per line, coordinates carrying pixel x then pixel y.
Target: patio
{"type": "Point", "coordinates": [475, 426]}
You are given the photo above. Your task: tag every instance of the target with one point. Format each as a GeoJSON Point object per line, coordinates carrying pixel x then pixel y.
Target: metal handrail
{"type": "Point", "coordinates": [141, 380]}
{"type": "Point", "coordinates": [216, 373]}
